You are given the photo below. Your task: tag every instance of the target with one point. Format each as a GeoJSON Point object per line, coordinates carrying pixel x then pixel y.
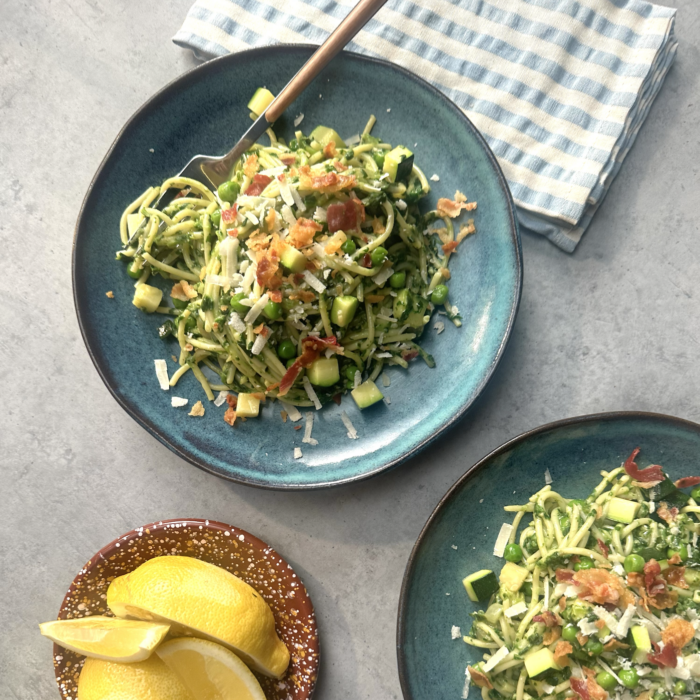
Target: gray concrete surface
{"type": "Point", "coordinates": [614, 326]}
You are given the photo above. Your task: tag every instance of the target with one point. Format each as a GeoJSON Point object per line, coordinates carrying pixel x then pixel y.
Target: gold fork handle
{"type": "Point", "coordinates": [344, 32]}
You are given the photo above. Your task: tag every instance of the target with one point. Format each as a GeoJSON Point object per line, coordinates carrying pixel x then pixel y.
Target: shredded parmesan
{"type": "Point", "coordinates": [286, 194]}
{"type": "Point", "coordinates": [401, 204]}
{"type": "Point", "coordinates": [352, 433]}
{"type": "Point", "coordinates": [314, 282]}
{"type": "Point", "coordinates": [547, 477]}
{"type": "Point", "coordinates": [456, 632]}
{"type": "Point", "coordinates": [311, 393]}
{"type": "Point", "coordinates": [502, 539]}
{"type": "Point", "coordinates": [623, 625]}
{"type": "Point", "coordinates": [162, 374]}
{"type": "Point", "coordinates": [548, 689]}
{"type": "Point", "coordinates": [288, 214]}
{"type": "Point", "coordinates": [320, 214]}
{"type": "Point", "coordinates": [496, 659]}
{"type": "Point", "coordinates": [261, 341]}
{"type": "Point", "coordinates": [357, 379]}
{"type": "Point", "coordinates": [298, 119]}
{"type": "Point", "coordinates": [467, 683]}
{"type": "Point", "coordinates": [439, 327]}
{"type": "Point", "coordinates": [297, 199]}
{"type": "Point", "coordinates": [178, 402]}
{"type": "Point", "coordinates": [292, 412]}
{"type": "Point", "coordinates": [607, 618]}
{"type": "Point", "coordinates": [308, 427]}
{"type": "Point", "coordinates": [435, 178]}
{"type": "Point", "coordinates": [517, 609]}
{"type": "Point", "coordinates": [386, 381]}
{"type": "Point", "coordinates": [236, 322]}
{"type": "Point", "coordinates": [220, 399]}
{"type": "Point", "coordinates": [297, 453]}
{"type": "Point", "coordinates": [256, 309]}
{"type": "Point", "coordinates": [381, 277]}
{"type": "Point", "coordinates": [587, 628]}
{"type": "Point", "coordinates": [607, 668]}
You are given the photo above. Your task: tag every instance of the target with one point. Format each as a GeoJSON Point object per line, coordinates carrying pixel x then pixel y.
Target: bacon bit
{"type": "Point", "coordinates": [660, 601]}
{"type": "Point", "coordinates": [561, 653]}
{"type": "Point", "coordinates": [268, 263]}
{"type": "Point", "coordinates": [615, 644]}
{"type": "Point", "coordinates": [581, 638]}
{"type": "Point", "coordinates": [599, 624]}
{"type": "Point", "coordinates": [258, 241]}
{"type": "Point", "coordinates": [409, 355]}
{"type": "Point", "coordinates": [110, 294]}
{"type": "Point", "coordinates": [284, 416]}
{"type": "Point", "coordinates": [339, 166]}
{"type": "Point", "coordinates": [374, 298]}
{"type": "Point", "coordinates": [230, 415]}
{"type": "Point", "coordinates": [378, 226]}
{"type": "Point", "coordinates": [675, 559]}
{"type": "Point", "coordinates": [551, 636]}
{"type": "Point", "coordinates": [311, 347]}
{"type": "Point", "coordinates": [549, 619]}
{"type": "Point", "coordinates": [288, 159]}
{"type": "Point", "coordinates": [448, 208]}
{"type": "Point", "coordinates": [479, 679]}
{"type": "Point", "coordinates": [329, 150]}
{"type": "Point", "coordinates": [303, 232]}
{"type": "Point", "coordinates": [564, 575]}
{"type": "Point", "coordinates": [260, 182]}
{"type": "Point", "coordinates": [233, 232]}
{"type": "Point", "coordinates": [347, 216]}
{"type": "Point", "coordinates": [258, 329]}
{"type": "Point", "coordinates": [450, 247]}
{"type": "Point", "coordinates": [275, 296]}
{"type": "Point", "coordinates": [562, 603]}
{"type": "Point", "coordinates": [678, 633]}
{"type": "Point", "coordinates": [445, 273]}
{"type": "Point", "coordinates": [652, 583]}
{"type": "Point", "coordinates": [687, 481]}
{"type": "Point", "coordinates": [297, 427]}
{"type": "Point", "coordinates": [335, 242]}
{"type": "Point", "coordinates": [651, 475]}
{"type": "Point", "coordinates": [183, 291]}
{"type": "Point", "coordinates": [182, 193]}
{"type": "Point", "coordinates": [303, 295]}
{"type": "Point", "coordinates": [465, 230]}
{"type": "Point", "coordinates": [251, 166]}
{"type": "Point", "coordinates": [580, 687]}
{"type": "Point", "coordinates": [666, 657]}
{"type": "Point", "coordinates": [600, 586]}
{"type": "Point", "coordinates": [675, 575]}
{"type": "Point", "coordinates": [337, 399]}
{"type": "Point", "coordinates": [666, 513]}
{"type": "Point", "coordinates": [325, 182]}
{"type": "Point", "coordinates": [189, 347]}
{"type": "Point", "coordinates": [594, 690]}
{"type": "Point", "coordinates": [366, 261]}
{"type": "Point", "coordinates": [259, 396]}
{"type": "Point", "coordinates": [197, 410]}
{"type": "Point", "coordinates": [603, 548]}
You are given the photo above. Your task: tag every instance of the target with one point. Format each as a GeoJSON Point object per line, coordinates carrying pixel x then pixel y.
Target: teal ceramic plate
{"type": "Point", "coordinates": [204, 112]}
{"type": "Point", "coordinates": [458, 538]}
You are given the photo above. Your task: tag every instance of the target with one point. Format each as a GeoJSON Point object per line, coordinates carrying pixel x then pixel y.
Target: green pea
{"type": "Point", "coordinates": [290, 363]}
{"type": "Point", "coordinates": [606, 680]}
{"type": "Point", "coordinates": [682, 553]}
{"type": "Point", "coordinates": [634, 562]}
{"type": "Point", "coordinates": [594, 647]}
{"type": "Point", "coordinates": [629, 678]}
{"type": "Point", "coordinates": [350, 372]}
{"type": "Point", "coordinates": [236, 306]}
{"type": "Point", "coordinates": [378, 255]}
{"type": "Point", "coordinates": [679, 687]}
{"type": "Point", "coordinates": [397, 280]}
{"type": "Point", "coordinates": [179, 304]}
{"type": "Point", "coordinates": [695, 494]}
{"type": "Point", "coordinates": [348, 247]}
{"type": "Point", "coordinates": [513, 552]}
{"type": "Point", "coordinates": [569, 633]}
{"type": "Point", "coordinates": [286, 349]}
{"type": "Point", "coordinates": [273, 310]}
{"type": "Point", "coordinates": [584, 563]}
{"type": "Point", "coordinates": [215, 218]}
{"type": "Point", "coordinates": [190, 324]}
{"type": "Point", "coordinates": [228, 191]}
{"type": "Point", "coordinates": [378, 158]}
{"type": "Point", "coordinates": [439, 295]}
{"type": "Point", "coordinates": [133, 270]}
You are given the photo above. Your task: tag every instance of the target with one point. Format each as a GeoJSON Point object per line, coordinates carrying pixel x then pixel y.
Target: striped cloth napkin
{"type": "Point", "coordinates": [559, 88]}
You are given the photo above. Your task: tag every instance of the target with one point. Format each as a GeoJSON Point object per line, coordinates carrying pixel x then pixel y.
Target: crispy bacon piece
{"type": "Point", "coordinates": [446, 207]}
{"type": "Point", "coordinates": [600, 586]}
{"type": "Point", "coordinates": [325, 182]}
{"type": "Point", "coordinates": [233, 232]}
{"type": "Point", "coordinates": [666, 513]}
{"type": "Point", "coordinates": [551, 635]}
{"type": "Point", "coordinates": [675, 559]}
{"type": "Point", "coordinates": [479, 679]}
{"type": "Point", "coordinates": [230, 415]}
{"type": "Point", "coordinates": [339, 166]}
{"type": "Point", "coordinates": [660, 601]}
{"type": "Point", "coordinates": [275, 296]}
{"type": "Point", "coordinates": [302, 295]}
{"type": "Point", "coordinates": [675, 576]}
{"type": "Point", "coordinates": [564, 575]}
{"type": "Point", "coordinates": [312, 347]}
{"type": "Point", "coordinates": [678, 633]}
{"type": "Point", "coordinates": [594, 690]}
{"type": "Point", "coordinates": [652, 475]}
{"type": "Point", "coordinates": [337, 398]}
{"type": "Point", "coordinates": [605, 551]}
{"type": "Point", "coordinates": [561, 653]}
{"type": "Point", "coordinates": [183, 291]}
{"type": "Point", "coordinates": [580, 687]}
{"type": "Point", "coordinates": [562, 603]}
{"type": "Point", "coordinates": [687, 481]}
{"type": "Point", "coordinates": [666, 657]}
{"type": "Point", "coordinates": [346, 216]}
{"type": "Point", "coordinates": [334, 243]}
{"type": "Point", "coordinates": [615, 644]}
{"type": "Point", "coordinates": [652, 582]}
{"type": "Point", "coordinates": [549, 619]}
{"type": "Point", "coordinates": [269, 262]}
{"type": "Point", "coordinates": [366, 261]}
{"type": "Point", "coordinates": [251, 165]}
{"type": "Point", "coordinates": [229, 215]}
{"type": "Point", "coordinates": [260, 182]}
{"type": "Point", "coordinates": [450, 247]}
{"type": "Point", "coordinates": [288, 159]}
{"type": "Point", "coordinates": [409, 355]}
{"type": "Point", "coordinates": [303, 232]}
{"type": "Point", "coordinates": [329, 150]}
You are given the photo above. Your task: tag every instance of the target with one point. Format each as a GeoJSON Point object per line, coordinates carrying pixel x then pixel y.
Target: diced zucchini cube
{"type": "Point", "coordinates": [260, 101]}
{"type": "Point", "coordinates": [539, 662]}
{"type": "Point", "coordinates": [293, 259]}
{"type": "Point", "coordinates": [366, 394]}
{"type": "Point", "coordinates": [622, 511]}
{"type": "Point", "coordinates": [324, 371]}
{"type": "Point", "coordinates": [324, 135]}
{"type": "Point", "coordinates": [481, 585]}
{"type": "Point", "coordinates": [641, 642]}
{"type": "Point", "coordinates": [398, 164]}
{"type": "Point", "coordinates": [343, 310]}
{"type": "Point", "coordinates": [513, 576]}
{"type": "Point", "coordinates": [248, 406]}
{"type": "Point", "coordinates": [147, 298]}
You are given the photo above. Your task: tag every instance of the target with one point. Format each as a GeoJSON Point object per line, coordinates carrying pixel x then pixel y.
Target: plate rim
{"type": "Point", "coordinates": [205, 523]}
{"type": "Point", "coordinates": [607, 416]}
{"type": "Point", "coordinates": [183, 80]}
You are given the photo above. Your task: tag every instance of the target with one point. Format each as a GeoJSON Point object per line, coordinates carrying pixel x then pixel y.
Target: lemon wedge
{"type": "Point", "coordinates": [143, 680]}
{"type": "Point", "coordinates": [106, 638]}
{"type": "Point", "coordinates": [210, 671]}
{"type": "Point", "coordinates": [202, 600]}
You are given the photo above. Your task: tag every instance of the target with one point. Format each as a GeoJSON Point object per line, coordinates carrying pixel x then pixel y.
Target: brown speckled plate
{"type": "Point", "coordinates": [232, 549]}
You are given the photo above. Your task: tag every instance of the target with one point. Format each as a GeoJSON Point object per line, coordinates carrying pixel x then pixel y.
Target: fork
{"type": "Point", "coordinates": [211, 170]}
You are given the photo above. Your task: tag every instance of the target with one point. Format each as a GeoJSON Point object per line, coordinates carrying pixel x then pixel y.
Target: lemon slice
{"type": "Point", "coordinates": [143, 680]}
{"type": "Point", "coordinates": [107, 638]}
{"type": "Point", "coordinates": [210, 671]}
{"type": "Point", "coordinates": [202, 600]}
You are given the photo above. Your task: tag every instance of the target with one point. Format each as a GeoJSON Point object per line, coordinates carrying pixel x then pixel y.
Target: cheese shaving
{"type": "Point", "coordinates": [236, 322]}
{"type": "Point", "coordinates": [352, 433]}
{"type": "Point", "coordinates": [256, 309]}
{"type": "Point", "coordinates": [162, 374]}
{"type": "Point", "coordinates": [547, 477]}
{"type": "Point", "coordinates": [467, 683]}
{"type": "Point", "coordinates": [381, 277]}
{"type": "Point", "coordinates": [220, 400]}
{"type": "Point", "coordinates": [261, 341]}
{"type": "Point", "coordinates": [288, 214]}
{"type": "Point", "coordinates": [297, 453]}
{"type": "Point", "coordinates": [178, 402]}
{"type": "Point", "coordinates": [299, 119]}
{"type": "Point", "coordinates": [320, 214]}
{"type": "Point", "coordinates": [314, 282]}
{"type": "Point", "coordinates": [623, 625]}
{"type": "Point", "coordinates": [456, 632]}
{"type": "Point", "coordinates": [311, 393]}
{"type": "Point", "coordinates": [435, 177]}
{"type": "Point", "coordinates": [357, 379]}
{"type": "Point", "coordinates": [502, 539]}
{"type": "Point", "coordinates": [297, 199]}
{"type": "Point", "coordinates": [607, 618]}
{"type": "Point", "coordinates": [292, 412]}
{"type": "Point", "coordinates": [386, 381]}
{"type": "Point", "coordinates": [496, 659]}
{"type": "Point", "coordinates": [308, 427]}
{"type": "Point", "coordinates": [587, 628]}
{"type": "Point", "coordinates": [546, 593]}
{"type": "Point", "coordinates": [439, 327]}
{"type": "Point", "coordinates": [517, 609]}
{"type": "Point", "coordinates": [286, 194]}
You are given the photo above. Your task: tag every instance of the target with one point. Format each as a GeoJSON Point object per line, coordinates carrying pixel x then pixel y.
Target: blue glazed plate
{"type": "Point", "coordinates": [431, 664]}
{"type": "Point", "coordinates": [204, 112]}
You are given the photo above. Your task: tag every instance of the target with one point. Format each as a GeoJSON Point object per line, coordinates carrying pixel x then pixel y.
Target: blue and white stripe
{"type": "Point", "coordinates": [559, 88]}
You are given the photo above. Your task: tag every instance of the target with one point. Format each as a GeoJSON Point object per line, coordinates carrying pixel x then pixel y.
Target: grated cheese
{"type": "Point", "coordinates": [467, 683]}
{"type": "Point", "coordinates": [623, 625]}
{"type": "Point", "coordinates": [326, 273]}
{"type": "Point", "coordinates": [308, 427]}
{"type": "Point", "coordinates": [383, 355]}
{"type": "Point", "coordinates": [386, 381]}
{"type": "Point", "coordinates": [320, 214]}
{"type": "Point", "coordinates": [381, 277]}
{"type": "Point", "coordinates": [297, 453]}
{"type": "Point", "coordinates": [178, 402]}
{"type": "Point", "coordinates": [502, 539]}
{"type": "Point", "coordinates": [439, 327]}
{"type": "Point", "coordinates": [252, 218]}
{"type": "Point", "coordinates": [286, 194]}
{"type": "Point", "coordinates": [607, 618]}
{"type": "Point", "coordinates": [496, 659]}
{"type": "Point", "coordinates": [288, 214]}
{"type": "Point", "coordinates": [292, 412]}
{"type": "Point", "coordinates": [299, 119]}
{"type": "Point", "coordinates": [435, 178]}
{"type": "Point", "coordinates": [357, 379]}
{"type": "Point", "coordinates": [352, 433]}
{"type": "Point", "coordinates": [220, 400]}
{"type": "Point", "coordinates": [256, 309]}
{"type": "Point", "coordinates": [314, 282]}
{"type": "Point", "coordinates": [588, 628]}
{"type": "Point", "coordinates": [517, 609]}
{"type": "Point", "coordinates": [162, 374]}
{"type": "Point", "coordinates": [236, 322]}
{"type": "Point", "coordinates": [401, 204]}
{"type": "Point", "coordinates": [261, 341]}
{"type": "Point", "coordinates": [548, 689]}
{"type": "Point", "coordinates": [456, 632]}
{"type": "Point", "coordinates": [311, 393]}
{"type": "Point", "coordinates": [297, 199]}
{"type": "Point", "coordinates": [547, 477]}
